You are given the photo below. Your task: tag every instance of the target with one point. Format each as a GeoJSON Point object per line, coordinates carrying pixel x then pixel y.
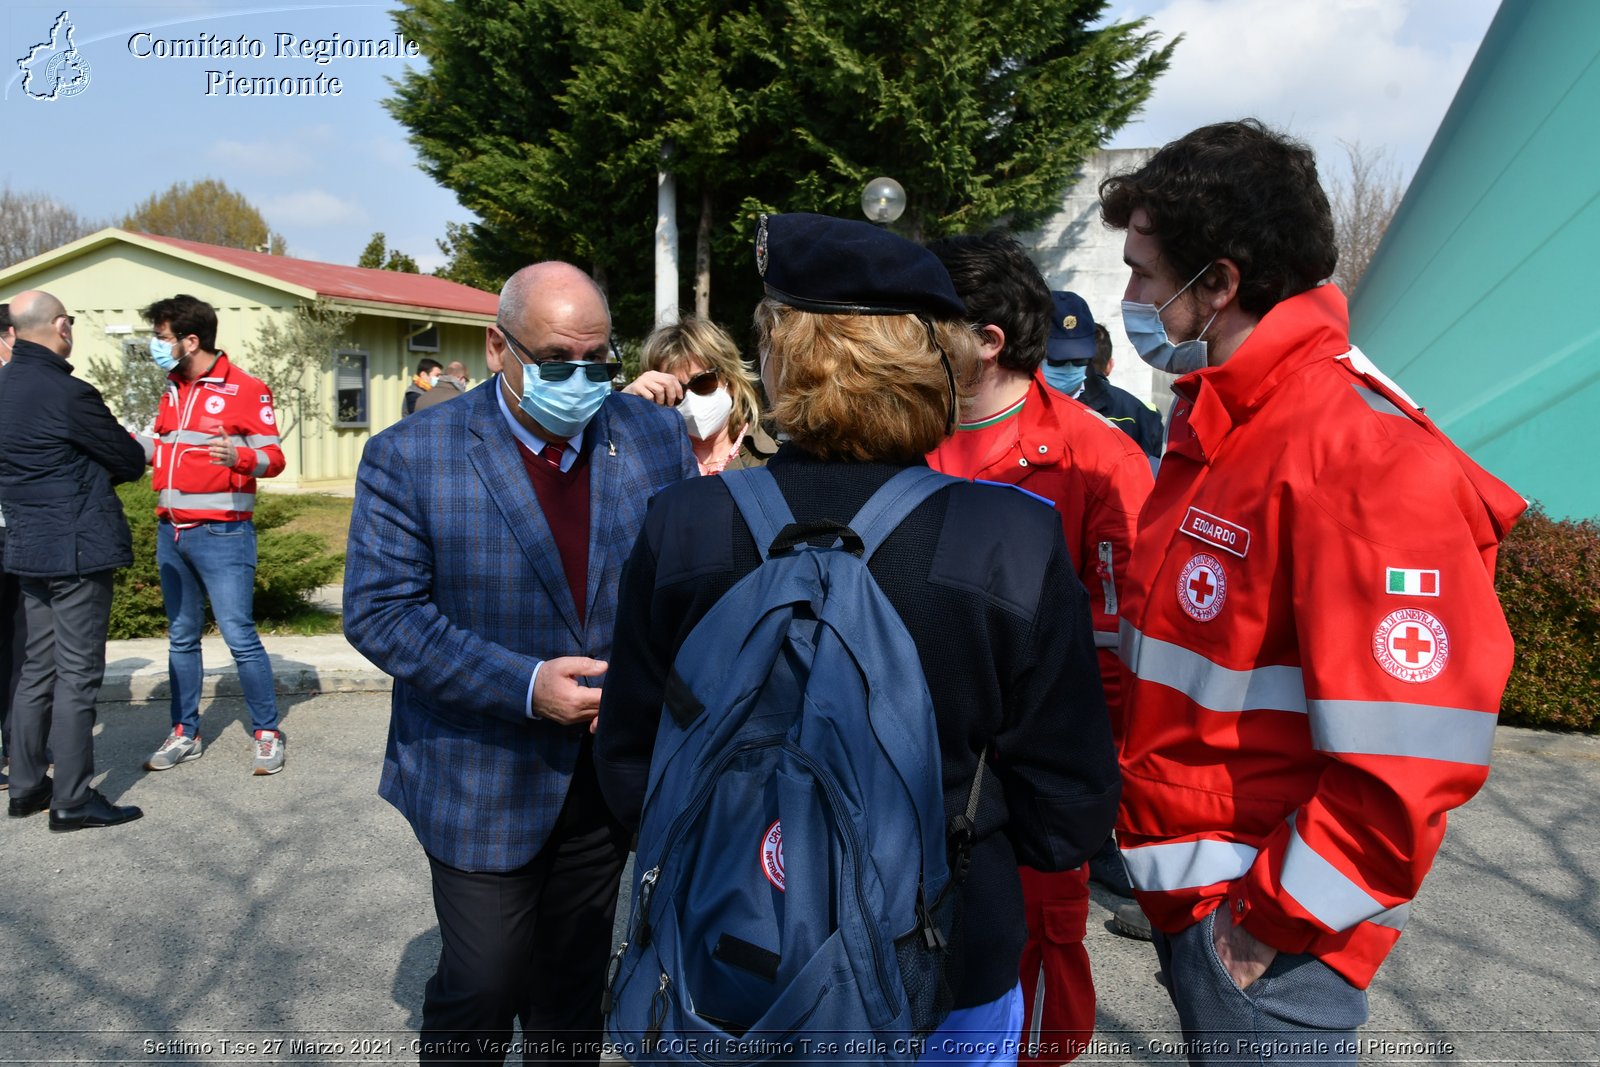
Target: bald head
{"type": "Point", "coordinates": [457, 370]}
{"type": "Point", "coordinates": [41, 318]}
{"type": "Point", "coordinates": [549, 283]}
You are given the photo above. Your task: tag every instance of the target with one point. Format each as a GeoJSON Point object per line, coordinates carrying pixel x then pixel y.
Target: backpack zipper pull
{"type": "Point", "coordinates": [931, 934]}
{"type": "Point", "coordinates": [658, 1014]}
{"type": "Point", "coordinates": [613, 969]}
{"type": "Point", "coordinates": [647, 887]}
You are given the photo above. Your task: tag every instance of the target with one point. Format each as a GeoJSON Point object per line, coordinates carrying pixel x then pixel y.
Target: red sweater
{"type": "Point", "coordinates": [564, 499]}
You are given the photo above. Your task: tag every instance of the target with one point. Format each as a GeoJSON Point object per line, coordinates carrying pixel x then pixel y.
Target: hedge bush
{"type": "Point", "coordinates": [290, 566]}
{"type": "Point", "coordinates": [1548, 578]}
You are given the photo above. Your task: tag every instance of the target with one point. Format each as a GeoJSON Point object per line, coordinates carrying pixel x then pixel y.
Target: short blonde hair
{"type": "Point", "coordinates": [863, 387]}
{"type": "Point", "coordinates": [673, 344]}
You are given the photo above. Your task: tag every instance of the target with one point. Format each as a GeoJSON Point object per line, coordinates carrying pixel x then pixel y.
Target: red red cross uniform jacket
{"type": "Point", "coordinates": [1313, 649]}
{"type": "Point", "coordinates": [228, 403]}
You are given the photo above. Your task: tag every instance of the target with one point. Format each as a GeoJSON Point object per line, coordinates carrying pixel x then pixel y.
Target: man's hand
{"type": "Point", "coordinates": [223, 452]}
{"type": "Point", "coordinates": [1243, 956]}
{"type": "Point", "coordinates": [557, 696]}
{"type": "Point", "coordinates": [658, 387]}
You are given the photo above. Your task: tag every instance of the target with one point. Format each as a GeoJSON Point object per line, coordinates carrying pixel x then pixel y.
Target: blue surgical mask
{"type": "Point", "coordinates": [563, 408]}
{"type": "Point", "coordinates": [1149, 335]}
{"type": "Point", "coordinates": [1065, 377]}
{"type": "Point", "coordinates": [161, 351]}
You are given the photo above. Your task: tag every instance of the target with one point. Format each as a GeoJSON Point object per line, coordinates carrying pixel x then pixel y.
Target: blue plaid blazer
{"type": "Point", "coordinates": [453, 585]}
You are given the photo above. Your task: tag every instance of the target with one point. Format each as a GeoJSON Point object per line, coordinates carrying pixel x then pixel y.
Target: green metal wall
{"type": "Point", "coordinates": [1484, 299]}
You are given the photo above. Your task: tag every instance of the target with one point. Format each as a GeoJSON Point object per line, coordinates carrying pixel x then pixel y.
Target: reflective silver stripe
{"type": "Point", "coordinates": [1104, 640]}
{"type": "Point", "coordinates": [1395, 918]}
{"type": "Point", "coordinates": [187, 437]}
{"type": "Point", "coordinates": [1321, 888]}
{"type": "Point", "coordinates": [1376, 401]}
{"type": "Point", "coordinates": [1207, 684]}
{"type": "Point", "coordinates": [260, 440]}
{"type": "Point", "coordinates": [147, 443]}
{"type": "Point", "coordinates": [1387, 728]}
{"type": "Point", "coordinates": [1187, 864]}
{"type": "Point", "coordinates": [172, 499]}
{"type": "Point", "coordinates": [261, 464]}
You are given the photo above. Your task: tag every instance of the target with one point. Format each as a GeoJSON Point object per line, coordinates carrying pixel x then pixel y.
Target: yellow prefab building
{"type": "Point", "coordinates": [105, 278]}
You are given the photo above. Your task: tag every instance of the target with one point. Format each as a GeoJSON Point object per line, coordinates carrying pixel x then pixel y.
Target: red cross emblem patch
{"type": "Point", "coordinates": [1411, 644]}
{"type": "Point", "coordinates": [772, 855]}
{"type": "Point", "coordinates": [1202, 587]}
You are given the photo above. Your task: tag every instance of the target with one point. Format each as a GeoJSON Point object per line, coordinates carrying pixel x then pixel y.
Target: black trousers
{"type": "Point", "coordinates": [66, 662]}
{"type": "Point", "coordinates": [13, 639]}
{"type": "Point", "coordinates": [530, 944]}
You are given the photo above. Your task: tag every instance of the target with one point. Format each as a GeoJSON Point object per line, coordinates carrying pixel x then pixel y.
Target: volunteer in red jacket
{"type": "Point", "coordinates": [1314, 651]}
{"type": "Point", "coordinates": [214, 435]}
{"type": "Point", "coordinates": [1019, 430]}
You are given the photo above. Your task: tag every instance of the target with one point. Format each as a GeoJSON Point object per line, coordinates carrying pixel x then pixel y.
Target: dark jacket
{"type": "Point", "coordinates": [983, 581]}
{"type": "Point", "coordinates": [1126, 412]}
{"type": "Point", "coordinates": [61, 451]}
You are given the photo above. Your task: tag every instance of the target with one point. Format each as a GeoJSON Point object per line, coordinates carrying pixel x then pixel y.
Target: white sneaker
{"type": "Point", "coordinates": [269, 751]}
{"type": "Point", "coordinates": [176, 749]}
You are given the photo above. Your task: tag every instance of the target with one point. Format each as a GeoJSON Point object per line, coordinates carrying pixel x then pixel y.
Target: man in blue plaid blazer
{"type": "Point", "coordinates": [460, 581]}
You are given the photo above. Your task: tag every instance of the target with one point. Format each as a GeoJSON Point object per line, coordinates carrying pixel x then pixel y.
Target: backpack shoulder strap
{"type": "Point", "coordinates": [755, 492]}
{"type": "Point", "coordinates": [890, 505]}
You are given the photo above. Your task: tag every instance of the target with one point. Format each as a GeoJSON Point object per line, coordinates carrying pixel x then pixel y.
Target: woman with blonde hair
{"type": "Point", "coordinates": [864, 353]}
{"type": "Point", "coordinates": [694, 365]}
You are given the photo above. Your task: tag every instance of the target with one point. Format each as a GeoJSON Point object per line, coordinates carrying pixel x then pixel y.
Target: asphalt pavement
{"type": "Point", "coordinates": [287, 919]}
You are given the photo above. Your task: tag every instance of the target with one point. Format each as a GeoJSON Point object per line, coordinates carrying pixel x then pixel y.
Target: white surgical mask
{"type": "Point", "coordinates": [1148, 334]}
{"type": "Point", "coordinates": [704, 416]}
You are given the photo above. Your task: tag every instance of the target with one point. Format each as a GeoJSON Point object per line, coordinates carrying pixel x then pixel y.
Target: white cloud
{"type": "Point", "coordinates": [275, 157]}
{"type": "Point", "coordinates": [312, 207]}
{"type": "Point", "coordinates": [1381, 72]}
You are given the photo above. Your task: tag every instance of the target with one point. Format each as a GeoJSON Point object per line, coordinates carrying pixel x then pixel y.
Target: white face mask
{"type": "Point", "coordinates": [705, 416]}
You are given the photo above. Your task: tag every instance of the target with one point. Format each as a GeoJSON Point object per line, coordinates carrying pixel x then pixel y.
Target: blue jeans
{"type": "Point", "coordinates": [216, 560]}
{"type": "Point", "coordinates": [1299, 1013]}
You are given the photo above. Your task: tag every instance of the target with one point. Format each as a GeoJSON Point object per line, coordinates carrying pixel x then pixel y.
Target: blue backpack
{"type": "Point", "coordinates": [793, 891]}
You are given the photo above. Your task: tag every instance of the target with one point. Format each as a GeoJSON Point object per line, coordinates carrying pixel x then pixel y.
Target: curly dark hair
{"type": "Point", "coordinates": [1239, 191]}
{"type": "Point", "coordinates": [1001, 287]}
{"type": "Point", "coordinates": [183, 315]}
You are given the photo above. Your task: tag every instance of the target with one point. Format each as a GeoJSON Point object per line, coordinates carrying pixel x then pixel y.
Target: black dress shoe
{"type": "Point", "coordinates": [1107, 868]}
{"type": "Point", "coordinates": [98, 811]}
{"type": "Point", "coordinates": [23, 805]}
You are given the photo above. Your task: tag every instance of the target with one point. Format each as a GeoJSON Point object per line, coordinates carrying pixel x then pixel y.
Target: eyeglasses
{"type": "Point", "coordinates": [70, 319]}
{"type": "Point", "coordinates": [559, 370]}
{"type": "Point", "coordinates": [703, 384]}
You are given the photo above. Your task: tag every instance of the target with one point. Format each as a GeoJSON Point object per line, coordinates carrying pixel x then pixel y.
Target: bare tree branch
{"type": "Point", "coordinates": [1364, 201]}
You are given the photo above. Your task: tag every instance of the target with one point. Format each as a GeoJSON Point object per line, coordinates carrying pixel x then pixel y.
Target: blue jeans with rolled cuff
{"type": "Point", "coordinates": [215, 560]}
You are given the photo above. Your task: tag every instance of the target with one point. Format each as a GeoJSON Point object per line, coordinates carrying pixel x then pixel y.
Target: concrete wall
{"type": "Point", "coordinates": [1075, 251]}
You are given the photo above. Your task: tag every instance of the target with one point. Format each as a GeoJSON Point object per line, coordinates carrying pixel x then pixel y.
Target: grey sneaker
{"type": "Point", "coordinates": [177, 748]}
{"type": "Point", "coordinates": [269, 751]}
{"type": "Point", "coordinates": [1131, 921]}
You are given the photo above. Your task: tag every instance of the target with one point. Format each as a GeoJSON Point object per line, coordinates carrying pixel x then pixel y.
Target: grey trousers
{"type": "Point", "coordinates": [66, 662]}
{"type": "Point", "coordinates": [1299, 1012]}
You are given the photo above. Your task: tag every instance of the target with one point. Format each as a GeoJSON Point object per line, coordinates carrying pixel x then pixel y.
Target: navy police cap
{"type": "Point", "coordinates": [841, 267]}
{"type": "Point", "coordinates": [1071, 330]}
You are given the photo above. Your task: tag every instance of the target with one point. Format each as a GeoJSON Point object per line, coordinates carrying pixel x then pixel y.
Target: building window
{"type": "Point", "coordinates": [422, 337]}
{"type": "Point", "coordinates": [351, 389]}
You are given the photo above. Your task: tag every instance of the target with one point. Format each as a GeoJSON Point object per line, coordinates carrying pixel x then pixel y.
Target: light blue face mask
{"type": "Point", "coordinates": [161, 351]}
{"type": "Point", "coordinates": [1065, 377]}
{"type": "Point", "coordinates": [1149, 335]}
{"type": "Point", "coordinates": [563, 408]}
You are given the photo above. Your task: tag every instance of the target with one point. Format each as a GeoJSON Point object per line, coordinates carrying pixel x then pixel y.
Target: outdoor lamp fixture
{"type": "Point", "coordinates": [883, 200]}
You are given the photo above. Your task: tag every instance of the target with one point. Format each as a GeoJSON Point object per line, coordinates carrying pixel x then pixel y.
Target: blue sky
{"type": "Point", "coordinates": [327, 171]}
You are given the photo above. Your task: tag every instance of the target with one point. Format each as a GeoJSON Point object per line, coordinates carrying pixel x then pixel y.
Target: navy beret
{"type": "Point", "coordinates": [1071, 330]}
{"type": "Point", "coordinates": [841, 267]}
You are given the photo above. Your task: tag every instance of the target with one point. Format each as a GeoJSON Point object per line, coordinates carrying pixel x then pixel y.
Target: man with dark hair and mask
{"type": "Point", "coordinates": [1313, 648]}
{"type": "Point", "coordinates": [506, 568]}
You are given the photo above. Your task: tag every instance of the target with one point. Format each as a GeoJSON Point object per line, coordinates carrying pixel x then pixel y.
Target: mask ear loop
{"type": "Point", "coordinates": [949, 372]}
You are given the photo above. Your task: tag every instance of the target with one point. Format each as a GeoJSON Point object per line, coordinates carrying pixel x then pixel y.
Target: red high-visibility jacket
{"type": "Point", "coordinates": [228, 403]}
{"type": "Point", "coordinates": [1313, 649]}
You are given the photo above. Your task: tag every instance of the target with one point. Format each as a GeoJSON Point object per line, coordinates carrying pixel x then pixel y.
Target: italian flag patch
{"type": "Point", "coordinates": [1402, 582]}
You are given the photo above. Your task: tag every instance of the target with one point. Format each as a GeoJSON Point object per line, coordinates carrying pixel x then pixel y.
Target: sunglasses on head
{"type": "Point", "coordinates": [703, 384]}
